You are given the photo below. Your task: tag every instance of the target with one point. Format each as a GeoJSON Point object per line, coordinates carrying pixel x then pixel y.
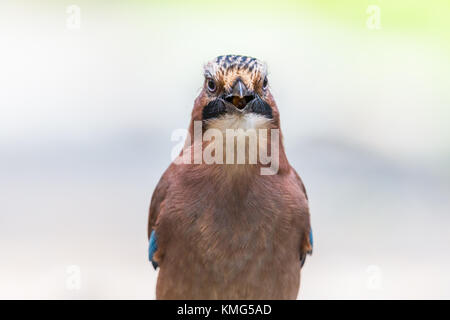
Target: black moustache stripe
{"type": "Point", "coordinates": [217, 108]}
{"type": "Point", "coordinates": [261, 107]}
{"type": "Point", "coordinates": [214, 109]}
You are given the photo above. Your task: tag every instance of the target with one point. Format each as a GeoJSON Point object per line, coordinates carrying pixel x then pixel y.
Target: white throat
{"type": "Point", "coordinates": [239, 121]}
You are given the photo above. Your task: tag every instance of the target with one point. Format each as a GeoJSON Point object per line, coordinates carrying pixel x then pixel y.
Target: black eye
{"type": "Point", "coordinates": [211, 84]}
{"type": "Point", "coordinates": [265, 83]}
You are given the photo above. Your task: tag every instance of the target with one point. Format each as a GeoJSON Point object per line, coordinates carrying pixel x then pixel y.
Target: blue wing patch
{"type": "Point", "coordinates": [152, 247]}
{"type": "Point", "coordinates": [311, 241]}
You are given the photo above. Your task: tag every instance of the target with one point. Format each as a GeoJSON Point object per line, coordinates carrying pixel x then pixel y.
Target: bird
{"type": "Point", "coordinates": [226, 230]}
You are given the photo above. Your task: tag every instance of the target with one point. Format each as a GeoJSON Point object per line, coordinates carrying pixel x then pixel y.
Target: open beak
{"type": "Point", "coordinates": [237, 100]}
{"type": "Point", "coordinates": [240, 95]}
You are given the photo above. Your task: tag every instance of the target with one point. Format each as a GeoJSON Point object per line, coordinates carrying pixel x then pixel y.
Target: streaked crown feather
{"type": "Point", "coordinates": [228, 68]}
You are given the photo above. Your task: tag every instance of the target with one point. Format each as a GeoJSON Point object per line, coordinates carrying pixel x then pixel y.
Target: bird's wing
{"type": "Point", "coordinates": [156, 204]}
{"type": "Point", "coordinates": [158, 198]}
{"type": "Point", "coordinates": [152, 247]}
{"type": "Point", "coordinates": [308, 250]}
{"type": "Point", "coordinates": [306, 247]}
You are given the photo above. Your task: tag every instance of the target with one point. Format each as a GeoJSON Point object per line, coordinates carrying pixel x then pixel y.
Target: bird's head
{"type": "Point", "coordinates": [236, 94]}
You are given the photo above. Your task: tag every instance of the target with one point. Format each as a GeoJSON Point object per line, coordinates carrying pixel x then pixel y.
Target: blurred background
{"type": "Point", "coordinates": [91, 91]}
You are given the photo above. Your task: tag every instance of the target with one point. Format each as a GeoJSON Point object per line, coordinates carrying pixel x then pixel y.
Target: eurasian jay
{"type": "Point", "coordinates": [226, 230]}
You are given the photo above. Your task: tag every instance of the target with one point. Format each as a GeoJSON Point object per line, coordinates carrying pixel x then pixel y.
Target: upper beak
{"type": "Point", "coordinates": [239, 89]}
{"type": "Point", "coordinates": [240, 95]}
